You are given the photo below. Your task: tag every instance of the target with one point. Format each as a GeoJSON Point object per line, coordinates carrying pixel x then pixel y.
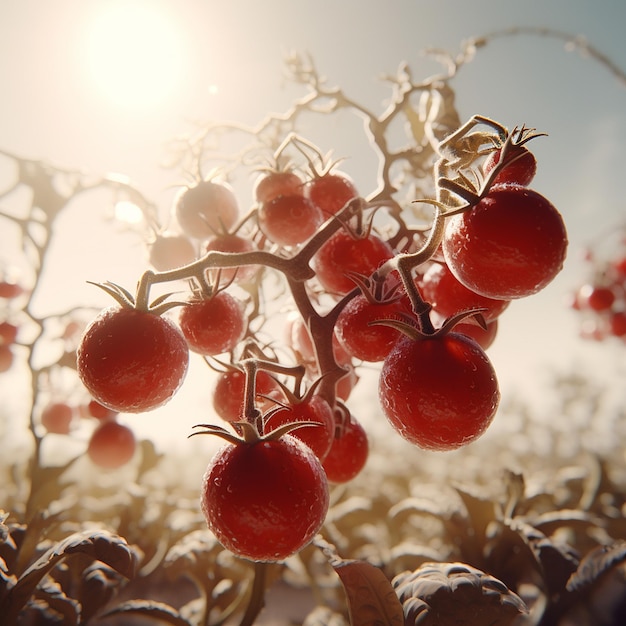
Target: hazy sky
{"type": "Point", "coordinates": [223, 61]}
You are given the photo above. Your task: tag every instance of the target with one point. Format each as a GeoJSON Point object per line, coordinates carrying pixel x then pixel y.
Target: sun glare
{"type": "Point", "coordinates": [135, 54]}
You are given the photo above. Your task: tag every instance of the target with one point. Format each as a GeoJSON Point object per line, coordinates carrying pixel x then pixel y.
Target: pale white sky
{"type": "Point", "coordinates": [223, 61]}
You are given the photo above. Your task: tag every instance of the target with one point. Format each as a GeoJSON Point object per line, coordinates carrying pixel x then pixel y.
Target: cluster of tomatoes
{"type": "Point", "coordinates": [601, 300]}
{"type": "Point", "coordinates": [422, 303]}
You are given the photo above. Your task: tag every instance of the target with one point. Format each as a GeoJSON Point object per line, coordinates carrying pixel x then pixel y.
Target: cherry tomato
{"type": "Point", "coordinates": [521, 167]}
{"type": "Point", "coordinates": [228, 393]}
{"type": "Point", "coordinates": [279, 183]}
{"type": "Point", "coordinates": [343, 253]}
{"type": "Point", "coordinates": [57, 418]}
{"type": "Point", "coordinates": [448, 296]}
{"type": "Point", "coordinates": [228, 242]}
{"type": "Point", "coordinates": [330, 192]}
{"type": "Point", "coordinates": [8, 333]}
{"type": "Point", "coordinates": [213, 325]}
{"type": "Point", "coordinates": [289, 220]}
{"type": "Point", "coordinates": [348, 453]}
{"type": "Point", "coordinates": [510, 245]}
{"type": "Point", "coordinates": [207, 208]}
{"type": "Point", "coordinates": [363, 339]}
{"type": "Point", "coordinates": [99, 411]}
{"type": "Point", "coordinates": [131, 360]}
{"type": "Point", "coordinates": [313, 409]}
{"type": "Point", "coordinates": [595, 297]}
{"type": "Point", "coordinates": [169, 251]}
{"type": "Point", "coordinates": [111, 445]}
{"type": "Point", "coordinates": [6, 358]}
{"type": "Point", "coordinates": [265, 501]}
{"type": "Point", "coordinates": [439, 393]}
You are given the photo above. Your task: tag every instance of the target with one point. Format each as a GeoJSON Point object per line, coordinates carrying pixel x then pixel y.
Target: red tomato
{"type": "Point", "coordinates": [111, 445]}
{"type": "Point", "coordinates": [228, 393]}
{"type": "Point", "coordinates": [57, 418]}
{"type": "Point", "coordinates": [99, 411]}
{"type": "Point", "coordinates": [266, 500]}
{"type": "Point", "coordinates": [330, 192]}
{"type": "Point", "coordinates": [348, 453]}
{"type": "Point", "coordinates": [132, 361]}
{"type": "Point", "coordinates": [228, 242]}
{"type": "Point", "coordinates": [344, 253]}
{"type": "Point", "coordinates": [214, 325]}
{"type": "Point", "coordinates": [273, 184]}
{"type": "Point", "coordinates": [9, 289]}
{"type": "Point", "coordinates": [483, 336]}
{"type": "Point", "coordinates": [312, 409]}
{"type": "Point", "coordinates": [521, 167]}
{"type": "Point", "coordinates": [448, 296]}
{"type": "Point", "coordinates": [8, 333]}
{"type": "Point", "coordinates": [289, 220]}
{"type": "Point", "coordinates": [360, 337]}
{"type": "Point", "coordinates": [510, 245]}
{"type": "Point", "coordinates": [439, 393]}
{"type": "Point", "coordinates": [6, 358]}
{"type": "Point", "coordinates": [206, 209]}
{"type": "Point", "coordinates": [169, 251]}
{"type": "Point", "coordinates": [595, 297]}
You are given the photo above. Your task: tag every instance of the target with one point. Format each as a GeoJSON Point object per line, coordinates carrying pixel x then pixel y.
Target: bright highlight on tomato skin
{"type": "Point", "coordinates": [439, 393]}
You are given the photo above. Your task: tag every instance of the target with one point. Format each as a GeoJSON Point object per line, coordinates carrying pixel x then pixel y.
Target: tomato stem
{"type": "Point", "coordinates": [257, 594]}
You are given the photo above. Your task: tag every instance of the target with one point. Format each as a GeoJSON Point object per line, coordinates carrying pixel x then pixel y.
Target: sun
{"type": "Point", "coordinates": [134, 54]}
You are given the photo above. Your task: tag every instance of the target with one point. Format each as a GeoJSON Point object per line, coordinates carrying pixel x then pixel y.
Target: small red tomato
{"type": "Point", "coordinates": [8, 333]}
{"type": "Point", "coordinates": [9, 289]}
{"type": "Point", "coordinates": [360, 336]}
{"type": "Point", "coordinates": [510, 245]}
{"type": "Point", "coordinates": [483, 336]}
{"type": "Point", "coordinates": [6, 358]}
{"type": "Point", "coordinates": [131, 360]}
{"type": "Point", "coordinates": [289, 220]}
{"type": "Point", "coordinates": [111, 445]}
{"type": "Point", "coordinates": [439, 393]}
{"type": "Point", "coordinates": [265, 501]}
{"type": "Point", "coordinates": [207, 208]}
{"type": "Point", "coordinates": [330, 192]}
{"type": "Point", "coordinates": [520, 168]}
{"type": "Point", "coordinates": [343, 253]}
{"type": "Point", "coordinates": [228, 242]}
{"type": "Point", "coordinates": [448, 296]}
{"type": "Point", "coordinates": [348, 453]}
{"type": "Point", "coordinates": [270, 185]}
{"type": "Point", "coordinates": [595, 297]}
{"type": "Point", "coordinates": [313, 409]}
{"type": "Point", "coordinates": [214, 325]}
{"type": "Point", "coordinates": [99, 411]}
{"type": "Point", "coordinates": [229, 389]}
{"type": "Point", "coordinates": [169, 251]}
{"type": "Point", "coordinates": [57, 418]}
